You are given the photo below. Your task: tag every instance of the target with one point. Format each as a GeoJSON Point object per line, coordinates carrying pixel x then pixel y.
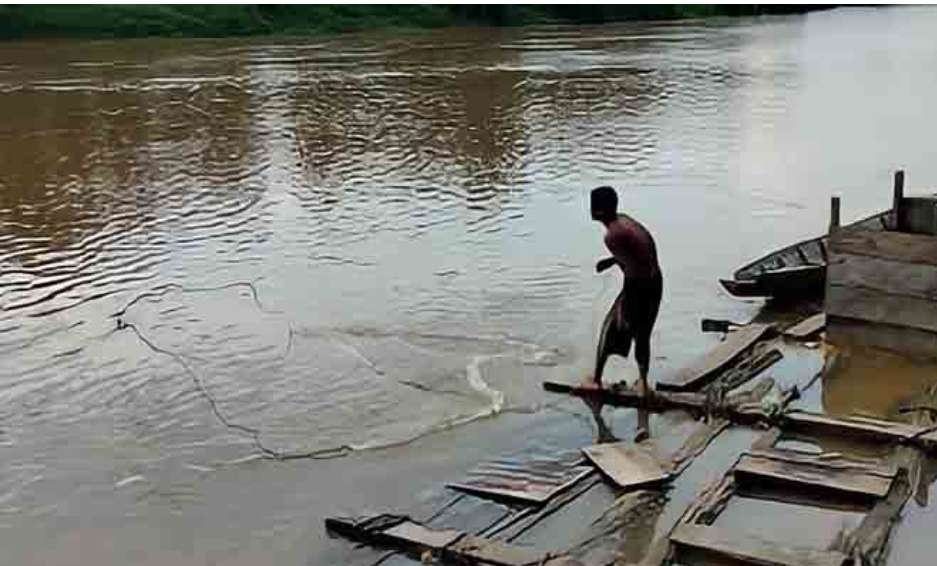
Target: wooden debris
{"type": "Point", "coordinates": [806, 473]}
{"type": "Point", "coordinates": [720, 545]}
{"type": "Point", "coordinates": [409, 536]}
{"type": "Point", "coordinates": [401, 532]}
{"type": "Point", "coordinates": [628, 464]}
{"type": "Point", "coordinates": [746, 369]}
{"type": "Point", "coordinates": [873, 429]}
{"type": "Point", "coordinates": [477, 549]}
{"type": "Point", "coordinates": [831, 460]}
{"type": "Point", "coordinates": [418, 535]}
{"type": "Point", "coordinates": [702, 371]}
{"type": "Point", "coordinates": [742, 412]}
{"type": "Point", "coordinates": [694, 445]}
{"type": "Point", "coordinates": [868, 543]}
{"type": "Point", "coordinates": [710, 502]}
{"type": "Point", "coordinates": [807, 327]}
{"type": "Point", "coordinates": [767, 440]}
{"type": "Point", "coordinates": [869, 540]}
{"type": "Point", "coordinates": [533, 481]}
{"type": "Point", "coordinates": [529, 517]}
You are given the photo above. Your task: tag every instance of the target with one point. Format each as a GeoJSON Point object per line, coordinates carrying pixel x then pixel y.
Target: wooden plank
{"type": "Point", "coordinates": [807, 327]}
{"type": "Point", "coordinates": [748, 549]}
{"type": "Point", "coordinates": [533, 480]}
{"type": "Point", "coordinates": [626, 397]}
{"type": "Point", "coordinates": [710, 502]}
{"type": "Point", "coordinates": [743, 412]}
{"type": "Point", "coordinates": [810, 475]}
{"type": "Point", "coordinates": [705, 432]}
{"type": "Point", "coordinates": [401, 533]}
{"type": "Point", "coordinates": [530, 517]}
{"type": "Point", "coordinates": [457, 546]}
{"type": "Point", "coordinates": [830, 460]}
{"type": "Point", "coordinates": [872, 306]}
{"type": "Point", "coordinates": [912, 341]}
{"type": "Point", "coordinates": [418, 535]}
{"type": "Point", "coordinates": [885, 276]}
{"type": "Point", "coordinates": [704, 369]}
{"type": "Point", "coordinates": [896, 246]}
{"type": "Point", "coordinates": [873, 429]}
{"type": "Point", "coordinates": [628, 464]}
{"type": "Point", "coordinates": [478, 549]}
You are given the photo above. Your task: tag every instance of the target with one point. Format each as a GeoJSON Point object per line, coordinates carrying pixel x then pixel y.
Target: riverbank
{"type": "Point", "coordinates": [93, 21]}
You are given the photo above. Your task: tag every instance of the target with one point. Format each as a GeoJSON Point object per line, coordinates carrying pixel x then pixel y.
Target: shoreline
{"type": "Point", "coordinates": [25, 22]}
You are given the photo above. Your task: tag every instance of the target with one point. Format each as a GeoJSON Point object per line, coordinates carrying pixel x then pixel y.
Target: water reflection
{"type": "Point", "coordinates": [860, 379]}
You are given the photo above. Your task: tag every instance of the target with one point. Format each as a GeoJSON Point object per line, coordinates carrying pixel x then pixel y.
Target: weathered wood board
{"type": "Point", "coordinates": [894, 246]}
{"type": "Point", "coordinates": [830, 460]}
{"type": "Point", "coordinates": [853, 333]}
{"type": "Point", "coordinates": [886, 276]}
{"type": "Point", "coordinates": [419, 535]}
{"type": "Point", "coordinates": [458, 546]}
{"type": "Point", "coordinates": [477, 549]}
{"type": "Point", "coordinates": [874, 429]}
{"type": "Point", "coordinates": [881, 308]}
{"type": "Point", "coordinates": [532, 480]}
{"type": "Point", "coordinates": [628, 464]}
{"type": "Point", "coordinates": [747, 549]}
{"type": "Point", "coordinates": [807, 327]}
{"type": "Point", "coordinates": [399, 533]}
{"type": "Point", "coordinates": [705, 369]}
{"type": "Point", "coordinates": [625, 397]}
{"type": "Point", "coordinates": [813, 476]}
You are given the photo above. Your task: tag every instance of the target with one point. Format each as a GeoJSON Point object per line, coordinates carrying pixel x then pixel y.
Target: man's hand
{"type": "Point", "coordinates": [604, 264]}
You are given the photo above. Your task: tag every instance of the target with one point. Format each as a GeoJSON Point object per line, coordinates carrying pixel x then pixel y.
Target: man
{"type": "Point", "coordinates": [634, 311]}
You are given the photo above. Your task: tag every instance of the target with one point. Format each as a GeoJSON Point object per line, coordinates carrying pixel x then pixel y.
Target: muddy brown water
{"type": "Point", "coordinates": [410, 209]}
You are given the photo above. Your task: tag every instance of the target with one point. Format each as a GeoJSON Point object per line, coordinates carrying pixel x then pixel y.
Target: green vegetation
{"type": "Point", "coordinates": [24, 21]}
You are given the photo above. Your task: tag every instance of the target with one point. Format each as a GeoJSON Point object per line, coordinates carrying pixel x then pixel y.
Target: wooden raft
{"type": "Point", "coordinates": [707, 367]}
{"type": "Point", "coordinates": [788, 475]}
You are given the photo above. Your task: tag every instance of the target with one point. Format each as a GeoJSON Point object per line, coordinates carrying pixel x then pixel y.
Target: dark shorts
{"type": "Point", "coordinates": [633, 314]}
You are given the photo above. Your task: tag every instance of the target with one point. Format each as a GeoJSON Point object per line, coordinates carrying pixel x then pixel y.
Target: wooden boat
{"type": "Point", "coordinates": [799, 270]}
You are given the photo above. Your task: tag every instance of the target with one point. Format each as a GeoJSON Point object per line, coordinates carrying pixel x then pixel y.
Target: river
{"type": "Point", "coordinates": [218, 255]}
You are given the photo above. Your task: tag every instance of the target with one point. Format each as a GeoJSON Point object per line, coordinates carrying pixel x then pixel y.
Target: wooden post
{"type": "Point", "coordinates": [896, 199]}
{"type": "Point", "coordinates": [834, 214]}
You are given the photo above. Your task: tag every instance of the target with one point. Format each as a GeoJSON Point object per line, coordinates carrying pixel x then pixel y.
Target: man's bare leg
{"type": "Point", "coordinates": [642, 354]}
{"type": "Point", "coordinates": [602, 352]}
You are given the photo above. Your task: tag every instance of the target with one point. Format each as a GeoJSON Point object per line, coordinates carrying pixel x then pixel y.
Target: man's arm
{"type": "Point", "coordinates": [604, 264]}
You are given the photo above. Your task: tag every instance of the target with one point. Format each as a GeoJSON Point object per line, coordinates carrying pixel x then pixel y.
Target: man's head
{"type": "Point", "coordinates": [604, 204]}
